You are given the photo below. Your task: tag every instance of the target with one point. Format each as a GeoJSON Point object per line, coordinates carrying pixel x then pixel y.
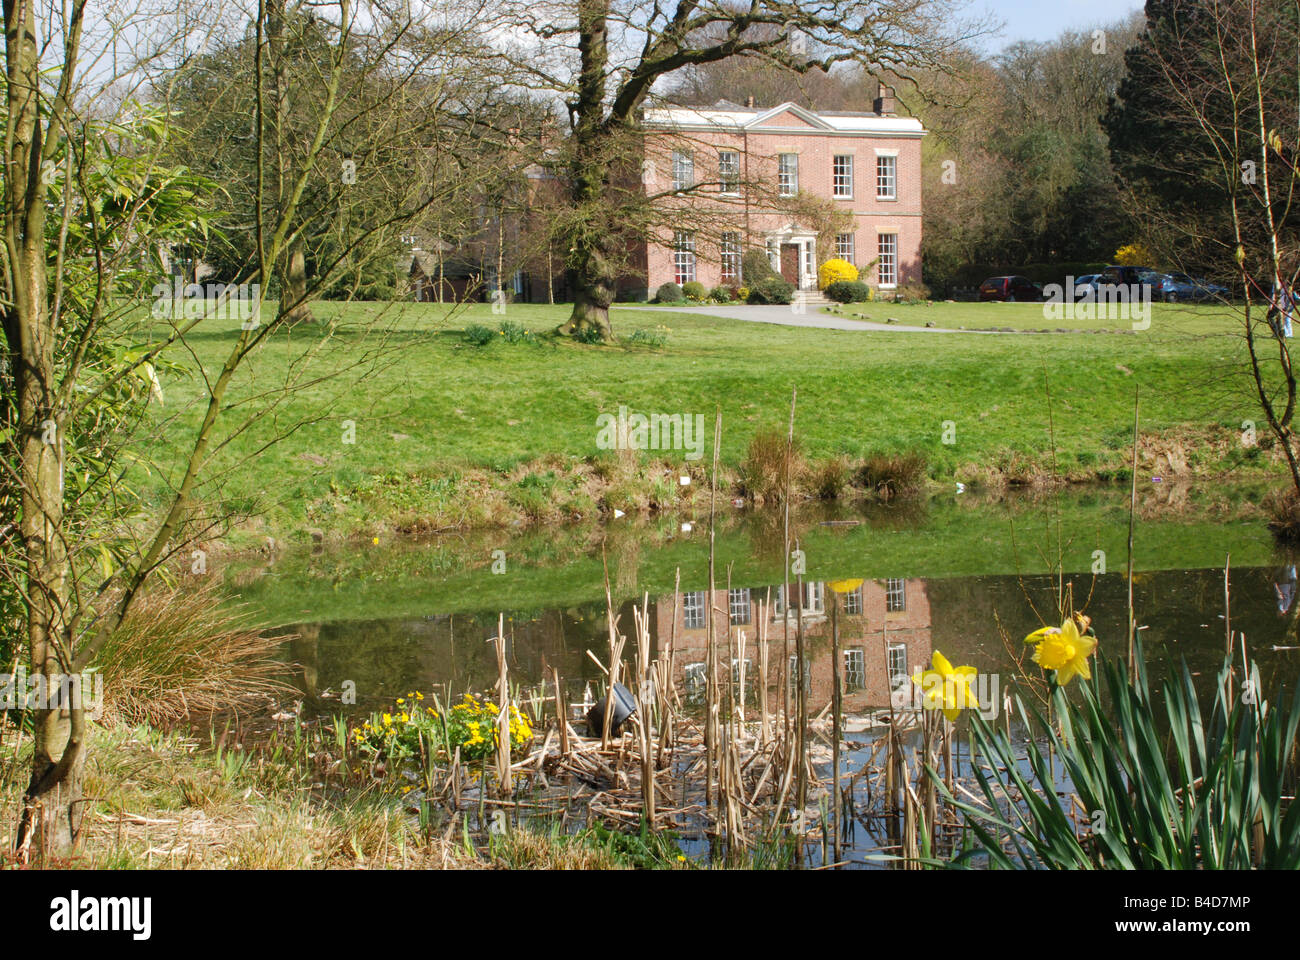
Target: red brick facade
{"type": "Point", "coordinates": [713, 147]}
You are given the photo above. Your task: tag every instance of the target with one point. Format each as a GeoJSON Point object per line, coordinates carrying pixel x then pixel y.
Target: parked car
{"type": "Point", "coordinates": [1180, 286]}
{"type": "Point", "coordinates": [1010, 288]}
{"type": "Point", "coordinates": [1131, 277]}
{"type": "Point", "coordinates": [1085, 283]}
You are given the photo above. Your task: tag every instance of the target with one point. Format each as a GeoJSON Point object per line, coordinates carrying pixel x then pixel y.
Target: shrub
{"type": "Point", "coordinates": [835, 271]}
{"type": "Point", "coordinates": [720, 294]}
{"type": "Point", "coordinates": [479, 335]}
{"type": "Point", "coordinates": [742, 294]}
{"type": "Point", "coordinates": [694, 290]}
{"type": "Point", "coordinates": [889, 474]}
{"type": "Point", "coordinates": [588, 335]}
{"type": "Point", "coordinates": [669, 293]}
{"type": "Point", "coordinates": [763, 472]}
{"type": "Point", "coordinates": [912, 293]}
{"type": "Point", "coordinates": [183, 651]}
{"type": "Point", "coordinates": [849, 291]}
{"type": "Point", "coordinates": [755, 266]}
{"type": "Point", "coordinates": [771, 290]}
{"type": "Point", "coordinates": [828, 479]}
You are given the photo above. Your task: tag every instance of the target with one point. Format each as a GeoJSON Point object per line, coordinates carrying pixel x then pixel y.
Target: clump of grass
{"type": "Point", "coordinates": [828, 479]}
{"type": "Point", "coordinates": [649, 338]}
{"type": "Point", "coordinates": [182, 652]}
{"type": "Point", "coordinates": [768, 461]}
{"type": "Point", "coordinates": [888, 475]}
{"type": "Point", "coordinates": [479, 335]}
{"type": "Point", "coordinates": [1283, 510]}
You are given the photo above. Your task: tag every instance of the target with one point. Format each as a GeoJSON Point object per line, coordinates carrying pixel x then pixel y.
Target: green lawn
{"type": "Point", "coordinates": [1165, 320]}
{"type": "Point", "coordinates": [452, 434]}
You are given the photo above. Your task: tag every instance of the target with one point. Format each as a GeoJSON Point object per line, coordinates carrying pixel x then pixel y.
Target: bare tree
{"type": "Point", "coordinates": [604, 58]}
{"type": "Point", "coordinates": [91, 202]}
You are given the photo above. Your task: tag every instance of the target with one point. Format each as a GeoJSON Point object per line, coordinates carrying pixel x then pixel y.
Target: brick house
{"type": "Point", "coordinates": [729, 170]}
{"type": "Point", "coordinates": [885, 635]}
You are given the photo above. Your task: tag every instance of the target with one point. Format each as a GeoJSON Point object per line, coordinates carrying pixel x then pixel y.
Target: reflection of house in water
{"type": "Point", "coordinates": [884, 636]}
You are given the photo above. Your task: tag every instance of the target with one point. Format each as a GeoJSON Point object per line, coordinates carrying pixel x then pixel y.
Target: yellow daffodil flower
{"type": "Point", "coordinates": [1063, 649]}
{"type": "Point", "coordinates": [947, 688]}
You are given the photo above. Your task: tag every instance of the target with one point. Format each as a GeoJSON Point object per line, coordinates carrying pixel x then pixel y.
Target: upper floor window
{"type": "Point", "coordinates": [693, 610]}
{"type": "Point", "coordinates": [729, 171]}
{"type": "Point", "coordinates": [844, 247]}
{"type": "Point", "coordinates": [730, 256]}
{"type": "Point", "coordinates": [842, 176]}
{"type": "Point", "coordinates": [887, 247]}
{"type": "Point", "coordinates": [683, 256]}
{"type": "Point", "coordinates": [788, 174]}
{"type": "Point", "coordinates": [683, 170]}
{"type": "Point", "coordinates": [886, 178]}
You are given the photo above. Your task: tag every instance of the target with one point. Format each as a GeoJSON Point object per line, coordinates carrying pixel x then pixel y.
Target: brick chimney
{"type": "Point", "coordinates": [884, 104]}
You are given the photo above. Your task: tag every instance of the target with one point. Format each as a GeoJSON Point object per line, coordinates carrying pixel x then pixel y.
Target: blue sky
{"type": "Point", "coordinates": [1045, 19]}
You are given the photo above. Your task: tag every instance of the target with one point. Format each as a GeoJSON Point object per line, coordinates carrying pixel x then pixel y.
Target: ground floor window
{"type": "Point", "coordinates": [895, 595]}
{"type": "Point", "coordinates": [844, 247]}
{"type": "Point", "coordinates": [853, 602]}
{"type": "Point", "coordinates": [684, 256]}
{"type": "Point", "coordinates": [739, 602]}
{"type": "Point", "coordinates": [887, 245]}
{"type": "Point", "coordinates": [693, 610]}
{"type": "Point", "coordinates": [731, 256]}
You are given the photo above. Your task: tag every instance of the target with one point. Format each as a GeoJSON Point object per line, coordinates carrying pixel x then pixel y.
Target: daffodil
{"type": "Point", "coordinates": [1063, 649]}
{"type": "Point", "coordinates": [947, 688]}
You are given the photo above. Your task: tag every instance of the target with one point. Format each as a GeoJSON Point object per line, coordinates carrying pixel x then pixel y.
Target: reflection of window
{"type": "Point", "coordinates": [855, 668]}
{"type": "Point", "coordinates": [807, 673]}
{"type": "Point", "coordinates": [739, 603]}
{"type": "Point", "coordinates": [730, 256]}
{"type": "Point", "coordinates": [683, 256]}
{"type": "Point", "coordinates": [788, 174]}
{"type": "Point", "coordinates": [897, 664]}
{"type": "Point", "coordinates": [895, 596]}
{"type": "Point", "coordinates": [693, 610]}
{"type": "Point", "coordinates": [696, 678]}
{"type": "Point", "coordinates": [842, 176]}
{"type": "Point", "coordinates": [886, 177]}
{"type": "Point", "coordinates": [814, 595]}
{"type": "Point", "coordinates": [683, 170]}
{"type": "Point", "coordinates": [853, 602]}
{"type": "Point", "coordinates": [729, 171]}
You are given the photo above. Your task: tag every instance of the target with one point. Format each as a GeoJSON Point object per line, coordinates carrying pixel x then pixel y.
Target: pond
{"type": "Point", "coordinates": [964, 576]}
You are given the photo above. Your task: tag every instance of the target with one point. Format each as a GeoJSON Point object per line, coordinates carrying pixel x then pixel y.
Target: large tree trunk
{"type": "Point", "coordinates": [51, 809]}
{"type": "Point", "coordinates": [297, 309]}
{"type": "Point", "coordinates": [592, 296]}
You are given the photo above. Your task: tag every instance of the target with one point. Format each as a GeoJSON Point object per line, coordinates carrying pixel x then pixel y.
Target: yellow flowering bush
{"type": "Point", "coordinates": [1133, 255]}
{"type": "Point", "coordinates": [397, 733]}
{"type": "Point", "coordinates": [834, 271]}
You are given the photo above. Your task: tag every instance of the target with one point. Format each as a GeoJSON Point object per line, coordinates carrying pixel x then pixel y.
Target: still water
{"type": "Point", "coordinates": [956, 575]}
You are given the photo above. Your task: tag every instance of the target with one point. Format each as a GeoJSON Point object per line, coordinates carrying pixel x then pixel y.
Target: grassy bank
{"type": "Point", "coordinates": [399, 422]}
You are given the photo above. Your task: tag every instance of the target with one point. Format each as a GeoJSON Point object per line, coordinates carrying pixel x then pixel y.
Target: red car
{"type": "Point", "coordinates": [1010, 288]}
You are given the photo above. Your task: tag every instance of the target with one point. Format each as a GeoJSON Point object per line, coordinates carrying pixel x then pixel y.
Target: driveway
{"type": "Point", "coordinates": [786, 317]}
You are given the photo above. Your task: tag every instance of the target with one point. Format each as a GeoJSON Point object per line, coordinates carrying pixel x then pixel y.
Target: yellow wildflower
{"type": "Point", "coordinates": [947, 688]}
